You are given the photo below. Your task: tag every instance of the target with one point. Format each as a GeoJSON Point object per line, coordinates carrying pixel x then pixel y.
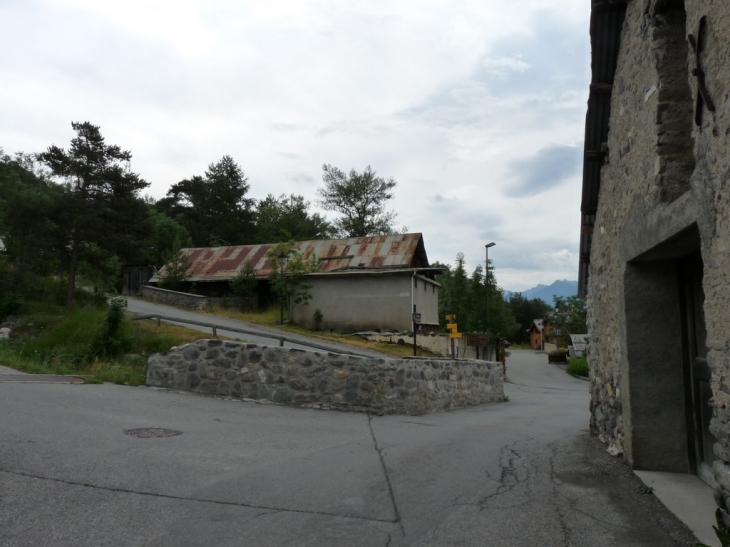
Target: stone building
{"type": "Point", "coordinates": [655, 238]}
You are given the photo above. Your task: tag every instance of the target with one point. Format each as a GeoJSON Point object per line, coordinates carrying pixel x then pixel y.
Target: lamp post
{"type": "Point", "coordinates": [486, 284]}
{"type": "Point", "coordinates": [282, 262]}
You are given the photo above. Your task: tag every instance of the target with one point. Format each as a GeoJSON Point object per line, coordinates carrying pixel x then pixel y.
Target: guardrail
{"type": "Point", "coordinates": [214, 328]}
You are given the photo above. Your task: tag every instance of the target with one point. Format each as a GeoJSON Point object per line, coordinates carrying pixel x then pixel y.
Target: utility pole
{"type": "Point", "coordinates": [486, 284]}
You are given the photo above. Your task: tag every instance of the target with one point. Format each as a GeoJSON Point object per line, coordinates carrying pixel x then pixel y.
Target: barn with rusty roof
{"type": "Point", "coordinates": [362, 283]}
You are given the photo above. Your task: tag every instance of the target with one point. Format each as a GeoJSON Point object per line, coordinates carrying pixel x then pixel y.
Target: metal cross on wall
{"type": "Point", "coordinates": [703, 97]}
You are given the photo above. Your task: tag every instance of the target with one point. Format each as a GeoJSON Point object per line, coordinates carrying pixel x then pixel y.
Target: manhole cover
{"type": "Point", "coordinates": [149, 432]}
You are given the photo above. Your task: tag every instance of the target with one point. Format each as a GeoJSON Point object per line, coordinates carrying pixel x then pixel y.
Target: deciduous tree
{"type": "Point", "coordinates": [177, 268]}
{"type": "Point", "coordinates": [291, 286]}
{"type": "Point", "coordinates": [569, 315]}
{"type": "Point", "coordinates": [360, 198]}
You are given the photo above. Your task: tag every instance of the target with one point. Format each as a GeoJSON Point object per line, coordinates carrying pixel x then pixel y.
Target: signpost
{"type": "Point", "coordinates": [454, 333]}
{"type": "Point", "coordinates": [416, 322]}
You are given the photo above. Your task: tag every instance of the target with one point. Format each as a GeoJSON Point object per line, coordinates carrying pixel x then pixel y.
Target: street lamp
{"type": "Point", "coordinates": [486, 284]}
{"type": "Point", "coordinates": [282, 258]}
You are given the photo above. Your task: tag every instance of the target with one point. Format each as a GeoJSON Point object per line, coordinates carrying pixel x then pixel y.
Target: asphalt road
{"type": "Point", "coordinates": [265, 336]}
{"type": "Point", "coordinates": [522, 473]}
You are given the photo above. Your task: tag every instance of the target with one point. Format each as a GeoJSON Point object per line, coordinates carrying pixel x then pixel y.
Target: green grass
{"type": "Point", "coordinates": [272, 318]}
{"type": "Point", "coordinates": [578, 366]}
{"type": "Point", "coordinates": [56, 342]}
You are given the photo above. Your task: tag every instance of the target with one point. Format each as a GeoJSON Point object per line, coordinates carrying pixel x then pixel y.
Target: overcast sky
{"type": "Point", "coordinates": [476, 108]}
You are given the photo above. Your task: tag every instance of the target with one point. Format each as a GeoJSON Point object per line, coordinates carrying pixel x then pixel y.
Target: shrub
{"type": "Point", "coordinates": [578, 366]}
{"type": "Point", "coordinates": [114, 337]}
{"type": "Point", "coordinates": [318, 317]}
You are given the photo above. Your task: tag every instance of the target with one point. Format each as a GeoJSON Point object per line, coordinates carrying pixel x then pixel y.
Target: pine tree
{"type": "Point", "coordinates": [99, 214]}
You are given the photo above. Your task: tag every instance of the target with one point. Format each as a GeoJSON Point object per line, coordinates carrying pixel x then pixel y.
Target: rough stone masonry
{"type": "Point", "coordinates": [659, 285]}
{"type": "Point", "coordinates": [331, 380]}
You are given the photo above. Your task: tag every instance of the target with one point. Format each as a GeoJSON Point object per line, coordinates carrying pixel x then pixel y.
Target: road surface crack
{"type": "Point", "coordinates": [510, 476]}
{"type": "Point", "coordinates": [387, 476]}
{"type": "Point", "coordinates": [554, 481]}
{"type": "Point", "coordinates": [270, 510]}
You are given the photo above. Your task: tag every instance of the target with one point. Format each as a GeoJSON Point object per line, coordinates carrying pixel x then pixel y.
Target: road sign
{"type": "Point", "coordinates": [451, 317]}
{"type": "Point", "coordinates": [416, 317]}
{"type": "Point", "coordinates": [558, 332]}
{"type": "Point", "coordinates": [455, 335]}
{"type": "Point", "coordinates": [479, 340]}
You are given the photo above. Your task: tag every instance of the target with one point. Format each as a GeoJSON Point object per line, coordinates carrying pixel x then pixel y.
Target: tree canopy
{"type": "Point", "coordinates": [77, 212]}
{"type": "Point", "coordinates": [525, 311]}
{"type": "Point", "coordinates": [569, 315]}
{"type": "Point", "coordinates": [361, 200]}
{"type": "Point", "coordinates": [213, 208]}
{"type": "Point", "coordinates": [287, 218]}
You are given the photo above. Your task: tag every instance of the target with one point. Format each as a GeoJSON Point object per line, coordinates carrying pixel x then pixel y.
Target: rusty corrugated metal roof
{"type": "Point", "coordinates": [362, 253]}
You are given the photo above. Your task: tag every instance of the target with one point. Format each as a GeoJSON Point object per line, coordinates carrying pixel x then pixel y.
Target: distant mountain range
{"type": "Point", "coordinates": [546, 292]}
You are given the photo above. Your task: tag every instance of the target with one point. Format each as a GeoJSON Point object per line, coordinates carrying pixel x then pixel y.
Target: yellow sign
{"type": "Point", "coordinates": [454, 335]}
{"type": "Point", "coordinates": [451, 317]}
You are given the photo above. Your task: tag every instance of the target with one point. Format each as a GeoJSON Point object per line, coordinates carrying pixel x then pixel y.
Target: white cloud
{"type": "Point", "coordinates": [501, 67]}
{"type": "Point", "coordinates": [444, 97]}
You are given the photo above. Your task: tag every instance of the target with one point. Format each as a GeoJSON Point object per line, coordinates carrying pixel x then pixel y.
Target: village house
{"type": "Point", "coordinates": [363, 283]}
{"type": "Point", "coordinates": [655, 235]}
{"type": "Point", "coordinates": [541, 332]}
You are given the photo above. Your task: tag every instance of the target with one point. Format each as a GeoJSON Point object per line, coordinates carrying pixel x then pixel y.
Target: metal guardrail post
{"type": "Point", "coordinates": [215, 332]}
{"type": "Point", "coordinates": [281, 342]}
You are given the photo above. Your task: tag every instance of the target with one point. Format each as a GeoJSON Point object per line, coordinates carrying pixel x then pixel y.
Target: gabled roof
{"type": "Point", "coordinates": [397, 251]}
{"type": "Point", "coordinates": [538, 324]}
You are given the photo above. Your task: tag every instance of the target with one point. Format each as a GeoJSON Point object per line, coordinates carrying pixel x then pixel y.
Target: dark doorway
{"type": "Point", "coordinates": [697, 371]}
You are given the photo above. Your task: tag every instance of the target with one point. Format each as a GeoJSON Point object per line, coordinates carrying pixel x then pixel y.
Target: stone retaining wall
{"type": "Point", "coordinates": [186, 300]}
{"type": "Point", "coordinates": [326, 380]}
{"type": "Point", "coordinates": [438, 343]}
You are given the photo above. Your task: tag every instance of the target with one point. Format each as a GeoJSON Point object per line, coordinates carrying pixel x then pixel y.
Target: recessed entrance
{"type": "Point", "coordinates": [667, 414]}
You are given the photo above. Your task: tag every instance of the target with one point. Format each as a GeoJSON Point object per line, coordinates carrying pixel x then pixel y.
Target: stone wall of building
{"type": "Point", "coordinates": [656, 204]}
{"type": "Point", "coordinates": [326, 380]}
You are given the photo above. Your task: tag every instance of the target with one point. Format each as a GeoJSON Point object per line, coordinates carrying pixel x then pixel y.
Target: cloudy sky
{"type": "Point", "coordinates": [475, 107]}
